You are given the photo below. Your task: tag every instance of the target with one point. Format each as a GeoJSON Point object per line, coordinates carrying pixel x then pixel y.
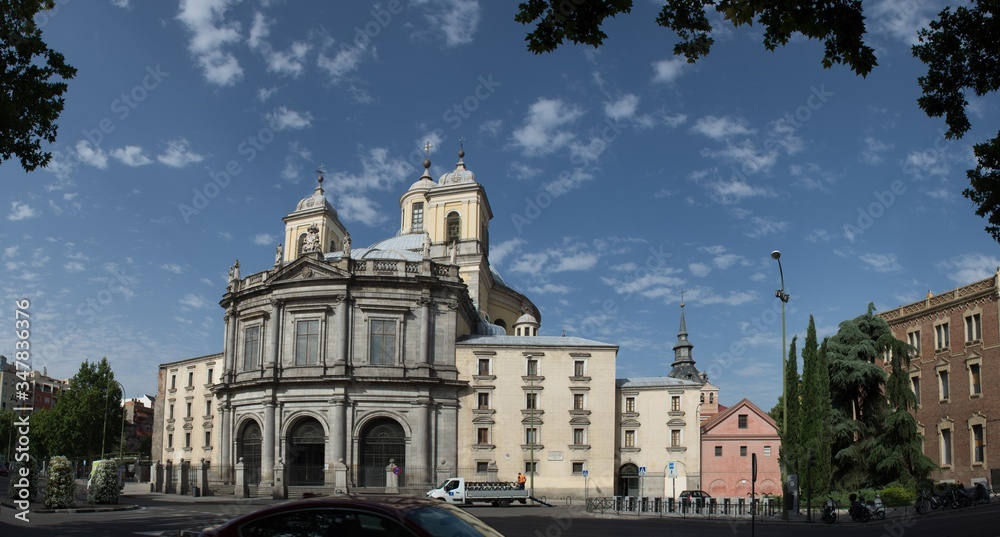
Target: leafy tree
{"type": "Point", "coordinates": [791, 446]}
{"type": "Point", "coordinates": [61, 489]}
{"type": "Point", "coordinates": [959, 49]}
{"type": "Point", "coordinates": [873, 442]}
{"type": "Point", "coordinates": [87, 419]}
{"type": "Point", "coordinates": [814, 425]}
{"type": "Point", "coordinates": [30, 90]}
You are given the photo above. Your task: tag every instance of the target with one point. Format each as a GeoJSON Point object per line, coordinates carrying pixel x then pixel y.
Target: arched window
{"type": "Point", "coordinates": [454, 227]}
{"type": "Point", "coordinates": [711, 397]}
{"type": "Point", "coordinates": [300, 244]}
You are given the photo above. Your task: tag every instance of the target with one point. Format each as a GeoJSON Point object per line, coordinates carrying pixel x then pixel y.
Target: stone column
{"type": "Point", "coordinates": [229, 347]}
{"type": "Point", "coordinates": [158, 476]}
{"type": "Point", "coordinates": [267, 449]}
{"type": "Point", "coordinates": [240, 489]}
{"type": "Point", "coordinates": [425, 332]}
{"type": "Point", "coordinates": [420, 465]}
{"type": "Point", "coordinates": [338, 429]}
{"type": "Point", "coordinates": [185, 466]}
{"type": "Point", "coordinates": [168, 478]}
{"type": "Point", "coordinates": [279, 491]}
{"type": "Point", "coordinates": [345, 330]}
{"type": "Point", "coordinates": [225, 444]}
{"type": "Point", "coordinates": [274, 351]}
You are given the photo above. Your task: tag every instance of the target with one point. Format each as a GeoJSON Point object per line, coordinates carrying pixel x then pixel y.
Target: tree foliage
{"type": "Point", "coordinates": [31, 84]}
{"type": "Point", "coordinates": [958, 48]}
{"type": "Point", "coordinates": [87, 419]}
{"type": "Point", "coordinates": [791, 446]}
{"type": "Point", "coordinates": [815, 421]}
{"type": "Point", "coordinates": [875, 440]}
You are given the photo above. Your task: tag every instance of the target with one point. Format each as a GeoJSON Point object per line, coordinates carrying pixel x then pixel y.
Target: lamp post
{"type": "Point", "coordinates": [781, 295]}
{"type": "Point", "coordinates": [104, 433]}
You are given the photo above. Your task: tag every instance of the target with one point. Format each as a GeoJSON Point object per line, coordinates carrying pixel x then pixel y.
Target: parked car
{"type": "Point", "coordinates": [356, 516]}
{"type": "Point", "coordinates": [699, 498]}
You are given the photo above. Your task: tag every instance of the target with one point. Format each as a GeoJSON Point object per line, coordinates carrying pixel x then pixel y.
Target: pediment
{"type": "Point", "coordinates": [307, 268]}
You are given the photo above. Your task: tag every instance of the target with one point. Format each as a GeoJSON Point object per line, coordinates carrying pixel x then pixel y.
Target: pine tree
{"type": "Point", "coordinates": [790, 443]}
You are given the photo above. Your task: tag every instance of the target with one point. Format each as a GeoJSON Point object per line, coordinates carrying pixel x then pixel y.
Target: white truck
{"type": "Point", "coordinates": [499, 493]}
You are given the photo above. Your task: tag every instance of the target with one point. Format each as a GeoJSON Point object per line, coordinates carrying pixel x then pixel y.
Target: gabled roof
{"type": "Point", "coordinates": [744, 403]}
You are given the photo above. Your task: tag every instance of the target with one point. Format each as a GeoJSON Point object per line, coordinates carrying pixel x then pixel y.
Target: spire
{"type": "Point", "coordinates": [319, 180]}
{"type": "Point", "coordinates": [427, 161]}
{"type": "Point", "coordinates": [683, 366]}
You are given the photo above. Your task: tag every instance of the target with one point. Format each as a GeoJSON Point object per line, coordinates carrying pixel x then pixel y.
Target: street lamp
{"type": "Point", "coordinates": [104, 434]}
{"type": "Point", "coordinates": [781, 295]}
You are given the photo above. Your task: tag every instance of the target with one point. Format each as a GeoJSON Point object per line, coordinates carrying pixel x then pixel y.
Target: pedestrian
{"type": "Point", "coordinates": [520, 480]}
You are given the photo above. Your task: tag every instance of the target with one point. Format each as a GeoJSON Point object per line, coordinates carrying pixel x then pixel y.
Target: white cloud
{"type": "Point", "coordinates": [881, 262]}
{"type": "Point", "coordinates": [699, 269]}
{"type": "Point", "coordinates": [284, 118]}
{"type": "Point", "coordinates": [91, 155]}
{"type": "Point", "coordinates": [360, 208]}
{"type": "Point", "coordinates": [901, 20]}
{"type": "Point", "coordinates": [210, 37]}
{"type": "Point", "coordinates": [721, 128]}
{"type": "Point", "coordinates": [926, 163]}
{"type": "Point", "coordinates": [178, 154]}
{"type": "Point", "coordinates": [543, 132]}
{"type": "Point", "coordinates": [872, 153]}
{"type": "Point", "coordinates": [763, 226]}
{"type": "Point", "coordinates": [264, 239]}
{"type": "Point", "coordinates": [290, 62]}
{"type": "Point", "coordinates": [492, 127]}
{"type": "Point", "coordinates": [968, 268]}
{"type": "Point", "coordinates": [550, 288]}
{"type": "Point", "coordinates": [576, 261]}
{"type": "Point", "coordinates": [263, 94]}
{"type": "Point", "coordinates": [344, 61]}
{"type": "Point", "coordinates": [520, 170]}
{"type": "Point", "coordinates": [456, 20]}
{"type": "Point", "coordinates": [734, 190]}
{"type": "Point", "coordinates": [131, 155]}
{"type": "Point", "coordinates": [669, 70]}
{"type": "Point", "coordinates": [172, 267]}
{"type": "Point", "coordinates": [567, 181]}
{"type": "Point", "coordinates": [193, 301]}
{"type": "Point", "coordinates": [746, 155]}
{"type": "Point", "coordinates": [499, 252]}
{"type": "Point", "coordinates": [623, 108]}
{"type": "Point", "coordinates": [10, 251]}
{"type": "Point", "coordinates": [725, 261]}
{"type": "Point", "coordinates": [674, 120]}
{"type": "Point", "coordinates": [74, 266]}
{"type": "Point", "coordinates": [20, 211]}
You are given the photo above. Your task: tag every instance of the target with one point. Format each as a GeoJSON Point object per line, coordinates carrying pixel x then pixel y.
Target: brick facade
{"type": "Point", "coordinates": [956, 377]}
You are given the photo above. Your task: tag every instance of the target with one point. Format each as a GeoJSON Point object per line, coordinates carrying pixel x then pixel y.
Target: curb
{"type": "Point", "coordinates": [118, 507]}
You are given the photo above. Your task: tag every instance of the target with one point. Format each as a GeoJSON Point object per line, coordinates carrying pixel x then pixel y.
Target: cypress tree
{"type": "Point", "coordinates": [814, 424]}
{"type": "Point", "coordinates": [790, 443]}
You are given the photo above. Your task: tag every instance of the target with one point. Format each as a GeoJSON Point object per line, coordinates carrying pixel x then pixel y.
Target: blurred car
{"type": "Point", "coordinates": [356, 516]}
{"type": "Point", "coordinates": [696, 497]}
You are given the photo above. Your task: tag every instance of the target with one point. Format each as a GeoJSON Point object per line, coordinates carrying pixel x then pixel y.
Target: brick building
{"type": "Point", "coordinates": [955, 376]}
{"type": "Point", "coordinates": [728, 442]}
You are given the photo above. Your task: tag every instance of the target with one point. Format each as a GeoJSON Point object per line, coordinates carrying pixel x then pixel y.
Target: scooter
{"type": "Point", "coordinates": [829, 512]}
{"type": "Point", "coordinates": [858, 510]}
{"type": "Point", "coordinates": [876, 508]}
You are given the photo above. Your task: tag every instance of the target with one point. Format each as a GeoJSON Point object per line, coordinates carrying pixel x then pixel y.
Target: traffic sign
{"type": "Point", "coordinates": [671, 469]}
{"type": "Point", "coordinates": [642, 471]}
{"type": "Point", "coordinates": [586, 473]}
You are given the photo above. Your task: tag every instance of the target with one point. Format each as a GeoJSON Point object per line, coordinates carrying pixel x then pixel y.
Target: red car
{"type": "Point", "coordinates": [356, 516]}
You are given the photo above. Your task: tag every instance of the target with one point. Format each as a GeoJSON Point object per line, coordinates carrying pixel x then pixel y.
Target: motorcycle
{"type": "Point", "coordinates": [858, 510]}
{"type": "Point", "coordinates": [926, 500]}
{"type": "Point", "coordinates": [829, 512]}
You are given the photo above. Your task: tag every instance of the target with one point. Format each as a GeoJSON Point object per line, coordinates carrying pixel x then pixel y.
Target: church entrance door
{"type": "Point", "coordinates": [249, 449]}
{"type": "Point", "coordinates": [305, 453]}
{"type": "Point", "coordinates": [381, 441]}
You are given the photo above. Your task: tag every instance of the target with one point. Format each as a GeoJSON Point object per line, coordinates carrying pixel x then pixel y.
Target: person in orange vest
{"type": "Point", "coordinates": [520, 480]}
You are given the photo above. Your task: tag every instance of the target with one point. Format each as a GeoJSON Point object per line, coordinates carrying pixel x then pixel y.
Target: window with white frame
{"type": "Point", "coordinates": [483, 401]}
{"type": "Point", "coordinates": [483, 435]}
{"type": "Point", "coordinates": [251, 348]}
{"type": "Point", "coordinates": [978, 443]}
{"type": "Point", "coordinates": [973, 327]}
{"type": "Point", "coordinates": [629, 441]}
{"type": "Point", "coordinates": [578, 368]}
{"type": "Point", "coordinates": [417, 217]}
{"type": "Point", "coordinates": [307, 342]}
{"type": "Point", "coordinates": [187, 440]}
{"type": "Point", "coordinates": [484, 367]}
{"type": "Point", "coordinates": [530, 435]}
{"type": "Point", "coordinates": [767, 451]}
{"type": "Point", "coordinates": [170, 440]}
{"type": "Point", "coordinates": [190, 378]}
{"type": "Point", "coordinates": [675, 403]}
{"type": "Point", "coordinates": [943, 385]}
{"type": "Point", "coordinates": [942, 339]}
{"type": "Point", "coordinates": [915, 382]}
{"type": "Point", "coordinates": [531, 401]}
{"type": "Point", "coordinates": [630, 404]}
{"type": "Point", "coordinates": [578, 467]}
{"type": "Point", "coordinates": [383, 342]}
{"type": "Point", "coordinates": [208, 408]}
{"type": "Point", "coordinates": [187, 409]}
{"type": "Point", "coordinates": [170, 414]}
{"type": "Point", "coordinates": [975, 379]}
{"type": "Point", "coordinates": [579, 437]}
{"type": "Point", "coordinates": [945, 439]}
{"type": "Point", "coordinates": [578, 402]}
{"type": "Point", "coordinates": [675, 438]}
{"type": "Point", "coordinates": [531, 367]}
{"type": "Point", "coordinates": [530, 467]}
{"type": "Point", "coordinates": [208, 438]}
{"type": "Point", "coordinates": [913, 338]}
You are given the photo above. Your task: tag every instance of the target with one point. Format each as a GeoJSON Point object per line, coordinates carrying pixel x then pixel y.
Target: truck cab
{"type": "Point", "coordinates": [451, 491]}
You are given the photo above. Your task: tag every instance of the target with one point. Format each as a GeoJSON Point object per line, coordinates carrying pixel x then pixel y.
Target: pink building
{"type": "Point", "coordinates": [727, 442]}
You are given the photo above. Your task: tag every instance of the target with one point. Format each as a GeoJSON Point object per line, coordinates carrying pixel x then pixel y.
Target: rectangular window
{"type": "Point", "coordinates": [916, 388]}
{"type": "Point", "coordinates": [417, 219]}
{"type": "Point", "coordinates": [173, 382]}
{"type": "Point", "coordinates": [675, 438]}
{"type": "Point", "coordinates": [975, 385]}
{"type": "Point", "coordinates": [973, 327]}
{"type": "Point", "coordinates": [170, 413]}
{"type": "Point", "coordinates": [767, 451]}
{"type": "Point", "coordinates": [187, 440]}
{"type": "Point", "coordinates": [484, 366]}
{"type": "Point", "coordinates": [577, 401]}
{"type": "Point", "coordinates": [530, 467]}
{"type": "Point", "coordinates": [208, 438]}
{"type": "Point", "coordinates": [383, 342]}
{"type": "Point", "coordinates": [978, 444]}
{"type": "Point", "coordinates": [484, 401]}
{"type": "Point", "coordinates": [190, 378]}
{"type": "Point", "coordinates": [578, 368]}
{"type": "Point", "coordinates": [743, 451]}
{"type": "Point", "coordinates": [577, 467]}
{"type": "Point", "coordinates": [210, 372]}
{"type": "Point", "coordinates": [945, 447]}
{"type": "Point", "coordinates": [483, 435]}
{"type": "Point", "coordinates": [630, 438]}
{"type": "Point", "coordinates": [578, 438]}
{"type": "Point", "coordinates": [251, 348]}
{"type": "Point", "coordinates": [187, 408]}
{"type": "Point", "coordinates": [942, 340]}
{"type": "Point", "coordinates": [482, 467]}
{"type": "Point", "coordinates": [170, 440]}
{"type": "Point", "coordinates": [630, 404]}
{"type": "Point", "coordinates": [532, 368]}
{"type": "Point", "coordinates": [531, 401]}
{"type": "Point", "coordinates": [531, 435]}
{"type": "Point", "coordinates": [675, 403]}
{"type": "Point", "coordinates": [943, 381]}
{"type": "Point", "coordinates": [718, 451]}
{"type": "Point", "coordinates": [742, 421]}
{"type": "Point", "coordinates": [913, 338]}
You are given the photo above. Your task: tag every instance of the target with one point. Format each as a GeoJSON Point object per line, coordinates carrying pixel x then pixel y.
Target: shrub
{"type": "Point", "coordinates": [61, 485]}
{"type": "Point", "coordinates": [103, 487]}
{"type": "Point", "coordinates": [17, 492]}
{"type": "Point", "coordinates": [896, 495]}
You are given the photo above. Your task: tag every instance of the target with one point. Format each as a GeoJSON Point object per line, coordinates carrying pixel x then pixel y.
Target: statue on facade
{"type": "Point", "coordinates": [427, 245]}
{"type": "Point", "coordinates": [277, 255]}
{"type": "Point", "coordinates": [312, 240]}
{"type": "Point", "coordinates": [347, 246]}
{"type": "Point", "coordinates": [234, 272]}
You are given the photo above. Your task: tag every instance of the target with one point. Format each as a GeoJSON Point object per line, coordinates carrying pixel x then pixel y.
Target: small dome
{"type": "Point", "coordinates": [424, 183]}
{"type": "Point", "coordinates": [486, 328]}
{"type": "Point", "coordinates": [526, 318]}
{"type": "Point", "coordinates": [459, 174]}
{"type": "Point", "coordinates": [317, 199]}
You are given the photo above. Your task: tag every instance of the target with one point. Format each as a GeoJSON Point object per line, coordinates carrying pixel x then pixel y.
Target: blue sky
{"type": "Point", "coordinates": [618, 177]}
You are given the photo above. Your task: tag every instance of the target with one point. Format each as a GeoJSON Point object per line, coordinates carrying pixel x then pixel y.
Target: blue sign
{"type": "Point", "coordinates": [642, 471]}
{"type": "Point", "coordinates": [586, 473]}
{"type": "Point", "coordinates": [397, 470]}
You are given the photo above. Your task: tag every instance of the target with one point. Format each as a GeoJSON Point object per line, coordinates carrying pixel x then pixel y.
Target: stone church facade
{"type": "Point", "coordinates": [359, 368]}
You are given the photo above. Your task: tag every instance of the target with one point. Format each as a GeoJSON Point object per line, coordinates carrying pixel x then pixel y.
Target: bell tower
{"type": "Point", "coordinates": [313, 226]}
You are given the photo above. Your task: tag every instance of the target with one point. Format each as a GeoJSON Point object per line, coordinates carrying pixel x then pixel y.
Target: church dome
{"type": "Point", "coordinates": [526, 318]}
{"type": "Point", "coordinates": [459, 174]}
{"type": "Point", "coordinates": [425, 182]}
{"type": "Point", "coordinates": [406, 247]}
{"type": "Point", "coordinates": [317, 199]}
